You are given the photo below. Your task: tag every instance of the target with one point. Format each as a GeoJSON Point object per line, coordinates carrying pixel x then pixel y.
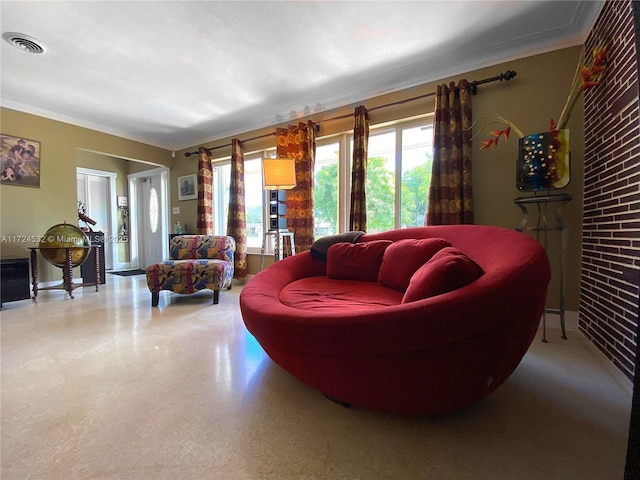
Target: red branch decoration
{"type": "Point", "coordinates": [585, 78]}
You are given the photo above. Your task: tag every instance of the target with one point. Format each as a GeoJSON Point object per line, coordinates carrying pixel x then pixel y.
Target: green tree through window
{"type": "Point", "coordinates": [415, 191]}
{"type": "Point", "coordinates": [380, 196]}
{"type": "Point", "coordinates": [325, 200]}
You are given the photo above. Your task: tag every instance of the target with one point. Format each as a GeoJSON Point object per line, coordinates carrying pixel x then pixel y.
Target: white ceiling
{"type": "Point", "coordinates": [179, 74]}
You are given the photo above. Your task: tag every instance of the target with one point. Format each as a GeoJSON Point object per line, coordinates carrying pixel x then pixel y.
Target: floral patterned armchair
{"type": "Point", "coordinates": [196, 262]}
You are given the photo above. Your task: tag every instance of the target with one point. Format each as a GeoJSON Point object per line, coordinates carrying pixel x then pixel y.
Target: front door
{"type": "Point", "coordinates": [150, 220]}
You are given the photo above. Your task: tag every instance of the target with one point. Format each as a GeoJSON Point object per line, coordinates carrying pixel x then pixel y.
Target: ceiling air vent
{"type": "Point", "coordinates": [24, 42]}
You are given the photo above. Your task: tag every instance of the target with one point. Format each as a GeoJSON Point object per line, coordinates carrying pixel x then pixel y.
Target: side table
{"type": "Point", "coordinates": [67, 271]}
{"type": "Point", "coordinates": [280, 250]}
{"type": "Point", "coordinates": [542, 203]}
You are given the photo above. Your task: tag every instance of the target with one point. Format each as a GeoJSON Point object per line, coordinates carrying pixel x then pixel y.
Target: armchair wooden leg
{"type": "Point", "coordinates": [216, 296]}
{"type": "Point", "coordinates": [155, 298]}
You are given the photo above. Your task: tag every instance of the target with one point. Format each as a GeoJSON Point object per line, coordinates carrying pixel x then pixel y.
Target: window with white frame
{"type": "Point", "coordinates": [398, 177]}
{"type": "Point", "coordinates": [254, 200]}
{"type": "Point", "coordinates": [326, 188]}
{"type": "Point", "coordinates": [417, 158]}
{"type": "Point", "coordinates": [221, 182]}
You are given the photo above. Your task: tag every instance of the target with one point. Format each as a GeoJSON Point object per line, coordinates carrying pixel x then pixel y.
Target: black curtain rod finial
{"type": "Point", "coordinates": [508, 75]}
{"type": "Point", "coordinates": [208, 150]}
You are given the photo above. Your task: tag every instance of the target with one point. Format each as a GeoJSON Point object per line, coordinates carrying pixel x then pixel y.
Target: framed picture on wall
{"type": "Point", "coordinates": [188, 187]}
{"type": "Point", "coordinates": [19, 161]}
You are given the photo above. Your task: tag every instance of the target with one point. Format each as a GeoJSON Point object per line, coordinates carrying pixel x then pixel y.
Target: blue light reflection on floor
{"type": "Point", "coordinates": [254, 358]}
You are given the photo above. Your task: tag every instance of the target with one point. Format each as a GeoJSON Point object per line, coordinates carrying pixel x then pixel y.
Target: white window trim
{"type": "Point", "coordinates": [344, 174]}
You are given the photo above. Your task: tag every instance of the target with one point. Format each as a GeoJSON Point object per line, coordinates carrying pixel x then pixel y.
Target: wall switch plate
{"type": "Point", "coordinates": [176, 210]}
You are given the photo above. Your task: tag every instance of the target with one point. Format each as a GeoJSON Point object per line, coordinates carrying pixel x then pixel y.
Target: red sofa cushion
{"type": "Point", "coordinates": [356, 261]}
{"type": "Point", "coordinates": [401, 260]}
{"type": "Point", "coordinates": [449, 269]}
{"type": "Point", "coordinates": [322, 294]}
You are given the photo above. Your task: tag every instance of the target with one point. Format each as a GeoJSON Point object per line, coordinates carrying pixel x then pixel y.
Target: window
{"type": "Point", "coordinates": [381, 188]}
{"type": "Point", "coordinates": [221, 181]}
{"type": "Point", "coordinates": [254, 196]}
{"type": "Point", "coordinates": [417, 157]}
{"type": "Point", "coordinates": [325, 194]}
{"type": "Point", "coordinates": [398, 176]}
{"type": "Point", "coordinates": [154, 209]}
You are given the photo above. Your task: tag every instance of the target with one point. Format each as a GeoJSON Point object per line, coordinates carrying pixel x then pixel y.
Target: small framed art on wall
{"type": "Point", "coordinates": [188, 187]}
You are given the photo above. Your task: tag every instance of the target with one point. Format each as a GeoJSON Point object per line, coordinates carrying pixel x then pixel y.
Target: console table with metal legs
{"type": "Point", "coordinates": [281, 250]}
{"type": "Point", "coordinates": [542, 226]}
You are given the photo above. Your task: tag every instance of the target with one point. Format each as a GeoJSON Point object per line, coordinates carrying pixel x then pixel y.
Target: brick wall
{"type": "Point", "coordinates": [610, 277]}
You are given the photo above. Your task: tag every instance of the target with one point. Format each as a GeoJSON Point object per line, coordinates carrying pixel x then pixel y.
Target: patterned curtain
{"type": "Point", "coordinates": [299, 142]}
{"type": "Point", "coordinates": [358, 211]}
{"type": "Point", "coordinates": [237, 216]}
{"type": "Point", "coordinates": [450, 194]}
{"type": "Point", "coordinates": [205, 193]}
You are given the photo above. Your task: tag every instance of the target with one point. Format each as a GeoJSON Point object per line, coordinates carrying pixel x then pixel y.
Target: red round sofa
{"type": "Point", "coordinates": [359, 343]}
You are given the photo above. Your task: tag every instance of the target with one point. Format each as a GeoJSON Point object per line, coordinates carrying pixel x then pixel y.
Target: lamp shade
{"type": "Point", "coordinates": [279, 173]}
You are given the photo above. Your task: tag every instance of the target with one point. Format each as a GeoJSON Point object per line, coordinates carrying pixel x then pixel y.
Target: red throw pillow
{"type": "Point", "coordinates": [448, 270]}
{"type": "Point", "coordinates": [356, 261]}
{"type": "Point", "coordinates": [448, 251]}
{"type": "Point", "coordinates": [401, 260]}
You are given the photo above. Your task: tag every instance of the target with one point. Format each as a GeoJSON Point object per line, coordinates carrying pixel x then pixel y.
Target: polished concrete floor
{"type": "Point", "coordinates": [105, 387]}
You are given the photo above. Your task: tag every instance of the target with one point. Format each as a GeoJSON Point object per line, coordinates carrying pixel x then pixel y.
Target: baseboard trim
{"type": "Point", "coordinates": [571, 325]}
{"type": "Point", "coordinates": [620, 378]}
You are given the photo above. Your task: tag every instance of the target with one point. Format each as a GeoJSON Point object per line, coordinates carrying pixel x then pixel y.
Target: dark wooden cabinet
{"type": "Point", "coordinates": [88, 269]}
{"type": "Point", "coordinates": [14, 279]}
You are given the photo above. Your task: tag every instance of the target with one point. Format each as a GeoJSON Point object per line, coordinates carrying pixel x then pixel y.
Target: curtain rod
{"type": "Point", "coordinates": [508, 75]}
